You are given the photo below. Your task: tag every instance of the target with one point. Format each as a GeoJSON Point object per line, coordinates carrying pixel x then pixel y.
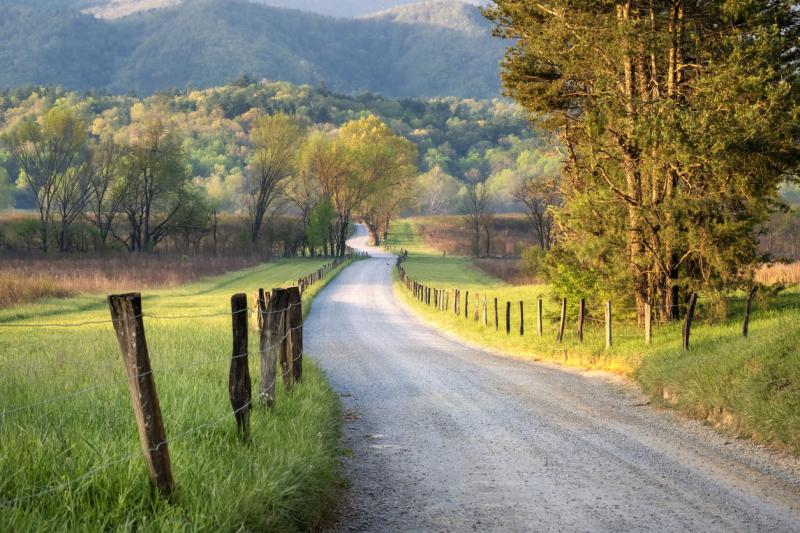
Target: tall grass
{"type": "Point", "coordinates": [282, 480]}
{"type": "Point", "coordinates": [749, 387]}
{"type": "Point", "coordinates": [786, 274]}
{"type": "Point", "coordinates": [24, 280]}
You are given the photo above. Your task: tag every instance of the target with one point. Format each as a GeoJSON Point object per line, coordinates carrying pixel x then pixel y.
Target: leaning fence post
{"type": "Point", "coordinates": [581, 313]}
{"type": "Point", "coordinates": [239, 387]}
{"type": "Point", "coordinates": [560, 336]}
{"type": "Point", "coordinates": [126, 314]}
{"type": "Point", "coordinates": [609, 331]}
{"type": "Point", "coordinates": [687, 325]}
{"type": "Point", "coordinates": [648, 323]}
{"type": "Point", "coordinates": [746, 324]}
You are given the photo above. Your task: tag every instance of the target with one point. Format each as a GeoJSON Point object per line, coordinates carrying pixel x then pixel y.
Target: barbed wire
{"type": "Point", "coordinates": [156, 448]}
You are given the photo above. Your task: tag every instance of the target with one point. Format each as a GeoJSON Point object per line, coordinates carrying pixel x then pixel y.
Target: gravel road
{"type": "Point", "coordinates": [448, 437]}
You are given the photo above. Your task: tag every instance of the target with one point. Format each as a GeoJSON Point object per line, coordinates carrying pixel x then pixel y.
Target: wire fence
{"type": "Point", "coordinates": [501, 314]}
{"type": "Point", "coordinates": [280, 329]}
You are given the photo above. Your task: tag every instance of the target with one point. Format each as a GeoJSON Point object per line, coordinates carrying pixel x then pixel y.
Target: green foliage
{"type": "Point", "coordinates": [320, 220]}
{"type": "Point", "coordinates": [672, 165]}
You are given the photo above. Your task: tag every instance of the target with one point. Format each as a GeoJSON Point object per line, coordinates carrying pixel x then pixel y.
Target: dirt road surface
{"type": "Point", "coordinates": [442, 436]}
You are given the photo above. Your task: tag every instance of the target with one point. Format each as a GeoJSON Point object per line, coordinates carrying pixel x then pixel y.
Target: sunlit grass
{"type": "Point", "coordinates": [282, 480]}
{"type": "Point", "coordinates": [748, 386]}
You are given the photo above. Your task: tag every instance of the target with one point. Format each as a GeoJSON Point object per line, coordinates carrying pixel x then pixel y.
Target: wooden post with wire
{"type": "Point", "coordinates": [295, 327]}
{"type": "Point", "coordinates": [496, 319]}
{"type": "Point", "coordinates": [126, 314]}
{"type": "Point", "coordinates": [609, 330]}
{"type": "Point", "coordinates": [560, 336]}
{"type": "Point", "coordinates": [485, 312]}
{"type": "Point", "coordinates": [466, 304]}
{"type": "Point", "coordinates": [687, 325]}
{"type": "Point", "coordinates": [271, 344]}
{"type": "Point", "coordinates": [239, 386]}
{"type": "Point", "coordinates": [539, 317]}
{"type": "Point", "coordinates": [648, 323]}
{"type": "Point", "coordinates": [508, 318]}
{"type": "Point", "coordinates": [581, 317]}
{"type": "Point", "coordinates": [521, 318]}
{"type": "Point", "coordinates": [746, 323]}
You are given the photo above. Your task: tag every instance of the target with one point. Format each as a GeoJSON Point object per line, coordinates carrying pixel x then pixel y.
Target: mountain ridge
{"type": "Point", "coordinates": [204, 43]}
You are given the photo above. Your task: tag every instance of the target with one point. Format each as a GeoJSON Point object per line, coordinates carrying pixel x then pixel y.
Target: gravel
{"type": "Point", "coordinates": [444, 436]}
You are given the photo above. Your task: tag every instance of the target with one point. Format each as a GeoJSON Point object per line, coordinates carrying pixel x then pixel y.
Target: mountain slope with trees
{"type": "Point", "coordinates": [209, 42]}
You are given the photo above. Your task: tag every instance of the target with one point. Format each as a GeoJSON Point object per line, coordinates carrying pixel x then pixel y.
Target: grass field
{"type": "Point", "coordinates": [749, 387]}
{"type": "Point", "coordinates": [70, 457]}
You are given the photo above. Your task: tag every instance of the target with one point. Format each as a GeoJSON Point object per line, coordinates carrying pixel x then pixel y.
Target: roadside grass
{"type": "Point", "coordinates": [749, 387]}
{"type": "Point", "coordinates": [75, 464]}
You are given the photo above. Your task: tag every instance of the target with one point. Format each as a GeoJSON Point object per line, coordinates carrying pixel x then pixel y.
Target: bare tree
{"type": "Point", "coordinates": [477, 213]}
{"type": "Point", "coordinates": [107, 188]}
{"type": "Point", "coordinates": [539, 195]}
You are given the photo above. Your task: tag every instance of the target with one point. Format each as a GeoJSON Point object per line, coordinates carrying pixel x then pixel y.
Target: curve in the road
{"type": "Point", "coordinates": [447, 437]}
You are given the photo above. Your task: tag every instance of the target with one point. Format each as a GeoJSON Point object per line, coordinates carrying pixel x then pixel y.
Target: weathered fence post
{"type": "Point", "coordinates": [239, 387]}
{"type": "Point", "coordinates": [477, 314]}
{"type": "Point", "coordinates": [508, 318]}
{"type": "Point", "coordinates": [521, 318]}
{"type": "Point", "coordinates": [295, 335]}
{"type": "Point", "coordinates": [496, 318]}
{"type": "Point", "coordinates": [609, 330]}
{"type": "Point", "coordinates": [687, 325]}
{"type": "Point", "coordinates": [746, 324]}
{"type": "Point", "coordinates": [126, 314]}
{"type": "Point", "coordinates": [648, 323]}
{"type": "Point", "coordinates": [560, 336]}
{"type": "Point", "coordinates": [271, 345]}
{"type": "Point", "coordinates": [539, 316]}
{"type": "Point", "coordinates": [485, 312]}
{"type": "Point", "coordinates": [581, 315]}
{"type": "Point", "coordinates": [466, 304]}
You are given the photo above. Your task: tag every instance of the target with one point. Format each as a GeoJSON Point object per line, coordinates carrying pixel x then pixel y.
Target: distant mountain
{"type": "Point", "coordinates": [335, 8]}
{"type": "Point", "coordinates": [451, 14]}
{"type": "Point", "coordinates": [204, 43]}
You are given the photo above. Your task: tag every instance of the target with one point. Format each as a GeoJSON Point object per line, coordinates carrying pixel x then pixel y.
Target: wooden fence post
{"type": "Point", "coordinates": [485, 312]}
{"type": "Point", "coordinates": [496, 318]}
{"type": "Point", "coordinates": [581, 315]}
{"type": "Point", "coordinates": [466, 304]}
{"type": "Point", "coordinates": [508, 318]}
{"type": "Point", "coordinates": [648, 323]}
{"type": "Point", "coordinates": [295, 335]}
{"type": "Point", "coordinates": [126, 314]}
{"type": "Point", "coordinates": [239, 387]}
{"type": "Point", "coordinates": [271, 344]}
{"type": "Point", "coordinates": [609, 330]}
{"type": "Point", "coordinates": [560, 336]}
{"type": "Point", "coordinates": [539, 316]}
{"type": "Point", "coordinates": [687, 325]}
{"type": "Point", "coordinates": [746, 324]}
{"type": "Point", "coordinates": [477, 314]}
{"type": "Point", "coordinates": [521, 318]}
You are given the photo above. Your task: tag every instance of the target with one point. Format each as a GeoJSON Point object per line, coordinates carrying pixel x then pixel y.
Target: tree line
{"type": "Point", "coordinates": [132, 182]}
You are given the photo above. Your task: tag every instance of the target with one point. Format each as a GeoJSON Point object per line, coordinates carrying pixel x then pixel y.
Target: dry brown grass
{"type": "Point", "coordinates": [450, 233]}
{"type": "Point", "coordinates": [506, 269]}
{"type": "Point", "coordinates": [786, 274]}
{"type": "Point", "coordinates": [24, 280]}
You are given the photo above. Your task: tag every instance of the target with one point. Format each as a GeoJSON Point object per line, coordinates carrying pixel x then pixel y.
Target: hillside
{"type": "Point", "coordinates": [209, 42]}
{"type": "Point", "coordinates": [451, 14]}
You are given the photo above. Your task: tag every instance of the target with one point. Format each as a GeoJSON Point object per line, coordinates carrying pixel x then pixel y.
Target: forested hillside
{"type": "Point", "coordinates": [210, 42]}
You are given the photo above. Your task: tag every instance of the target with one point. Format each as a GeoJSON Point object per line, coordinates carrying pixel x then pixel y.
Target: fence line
{"type": "Point", "coordinates": [441, 302]}
{"type": "Point", "coordinates": [283, 347]}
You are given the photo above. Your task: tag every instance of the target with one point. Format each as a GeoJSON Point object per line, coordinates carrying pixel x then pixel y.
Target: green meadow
{"type": "Point", "coordinates": [70, 458]}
